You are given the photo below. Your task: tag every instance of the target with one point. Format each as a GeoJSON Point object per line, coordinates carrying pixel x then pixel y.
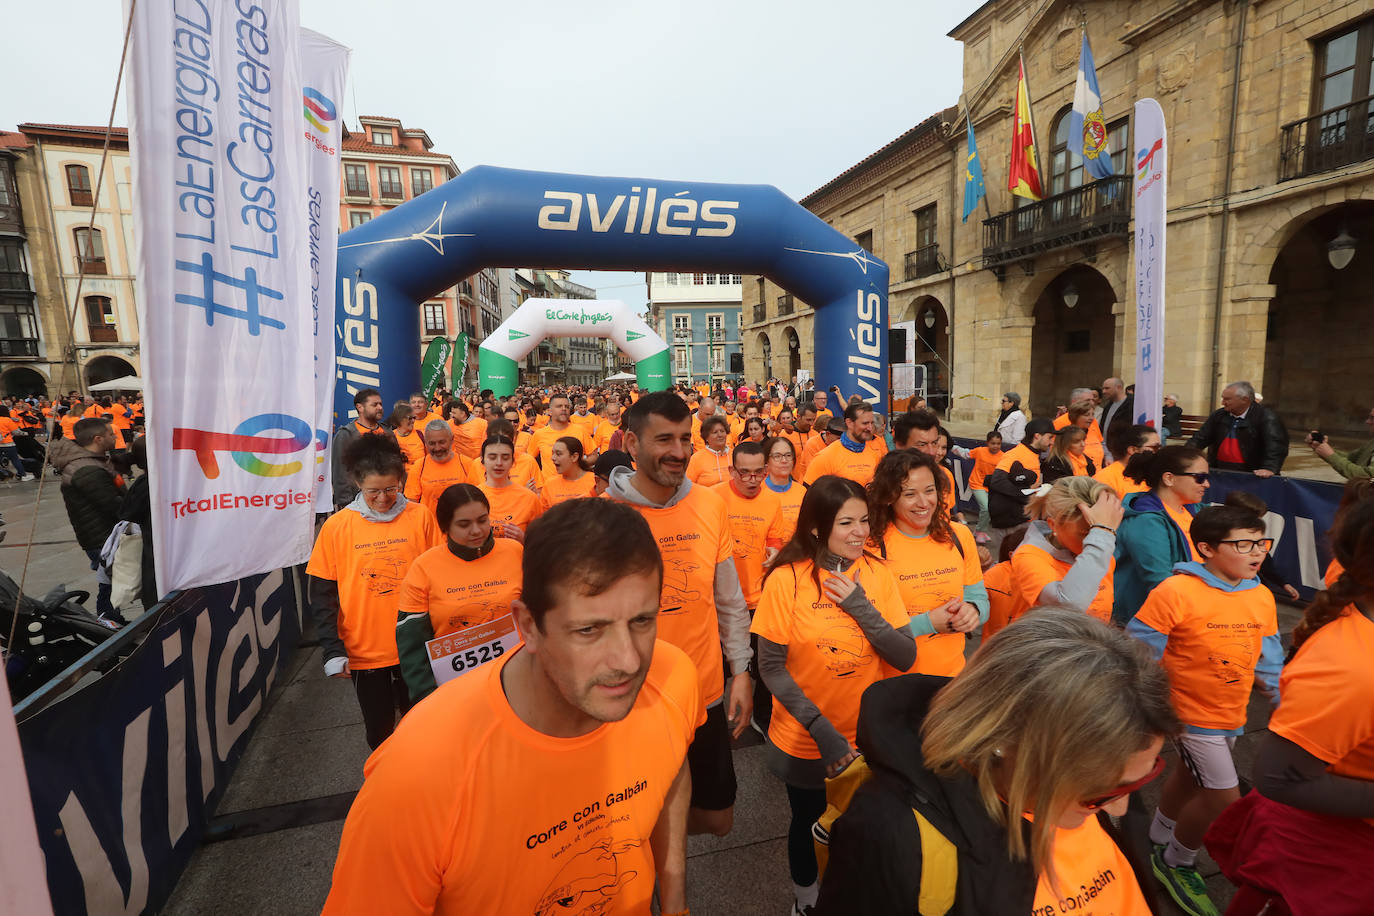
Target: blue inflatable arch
{"type": "Point", "coordinates": [494, 217]}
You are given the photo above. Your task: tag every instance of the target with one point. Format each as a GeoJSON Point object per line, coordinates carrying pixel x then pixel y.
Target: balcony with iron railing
{"type": "Point", "coordinates": [1328, 140]}
{"type": "Point", "coordinates": [1101, 209]}
{"type": "Point", "coordinates": [760, 312]}
{"type": "Point", "coordinates": [924, 261]}
{"type": "Point", "coordinates": [715, 335]}
{"type": "Point", "coordinates": [785, 305]}
{"type": "Point", "coordinates": [682, 335]}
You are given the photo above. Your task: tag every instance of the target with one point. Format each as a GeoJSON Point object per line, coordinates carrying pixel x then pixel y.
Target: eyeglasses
{"type": "Point", "coordinates": [1199, 478]}
{"type": "Point", "coordinates": [782, 456]}
{"type": "Point", "coordinates": [372, 493]}
{"type": "Point", "coordinates": [1248, 545]}
{"type": "Point", "coordinates": [751, 475]}
{"type": "Point", "coordinates": [1102, 801]}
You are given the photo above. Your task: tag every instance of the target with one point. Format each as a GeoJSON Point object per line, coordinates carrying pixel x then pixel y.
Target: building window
{"type": "Point", "coordinates": [434, 318]}
{"type": "Point", "coordinates": [715, 328]}
{"type": "Point", "coordinates": [90, 250]}
{"type": "Point", "coordinates": [1345, 74]}
{"type": "Point", "coordinates": [736, 280]}
{"type": "Point", "coordinates": [421, 180]}
{"type": "Point", "coordinates": [670, 279]}
{"type": "Point", "coordinates": [717, 359]}
{"type": "Point", "coordinates": [1066, 160]}
{"type": "Point", "coordinates": [382, 137]}
{"type": "Point", "coordinates": [79, 185]}
{"type": "Point", "coordinates": [6, 198]}
{"type": "Point", "coordinates": [355, 180]}
{"type": "Point", "coordinates": [683, 357]}
{"type": "Point", "coordinates": [100, 319]}
{"type": "Point", "coordinates": [357, 217]}
{"type": "Point", "coordinates": [389, 182]}
{"type": "Point", "coordinates": [18, 330]}
{"type": "Point", "coordinates": [698, 279]}
{"type": "Point", "coordinates": [13, 272]}
{"type": "Point", "coordinates": [865, 240]}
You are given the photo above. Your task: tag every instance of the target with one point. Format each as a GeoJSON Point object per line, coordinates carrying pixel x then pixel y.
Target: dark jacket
{"type": "Point", "coordinates": [875, 847]}
{"type": "Point", "coordinates": [1051, 469]}
{"type": "Point", "coordinates": [1124, 415]}
{"type": "Point", "coordinates": [1006, 497]}
{"type": "Point", "coordinates": [89, 491]}
{"type": "Point", "coordinates": [1171, 418]}
{"type": "Point", "coordinates": [1148, 544]}
{"type": "Point", "coordinates": [1262, 437]}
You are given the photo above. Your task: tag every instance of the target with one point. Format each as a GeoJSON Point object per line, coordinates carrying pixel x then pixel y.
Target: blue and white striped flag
{"type": "Point", "coordinates": [1086, 119]}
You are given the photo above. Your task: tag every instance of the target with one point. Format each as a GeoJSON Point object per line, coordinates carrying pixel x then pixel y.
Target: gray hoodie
{"type": "Point", "coordinates": [732, 615]}
{"type": "Point", "coordinates": [1079, 586]}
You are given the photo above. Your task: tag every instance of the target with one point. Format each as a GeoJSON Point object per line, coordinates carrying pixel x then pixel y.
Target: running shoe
{"type": "Point", "coordinates": [1184, 884]}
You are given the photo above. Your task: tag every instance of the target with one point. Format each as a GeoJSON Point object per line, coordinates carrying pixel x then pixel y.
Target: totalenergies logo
{"type": "Point", "coordinates": [245, 444]}
{"type": "Point", "coordinates": [1145, 159]}
{"type": "Point", "coordinates": [318, 109]}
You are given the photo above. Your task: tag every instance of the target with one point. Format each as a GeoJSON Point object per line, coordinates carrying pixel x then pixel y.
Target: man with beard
{"type": "Point", "coordinates": [854, 455]}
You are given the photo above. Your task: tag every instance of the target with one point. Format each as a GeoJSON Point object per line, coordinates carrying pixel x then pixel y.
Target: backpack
{"type": "Point", "coordinates": [939, 858]}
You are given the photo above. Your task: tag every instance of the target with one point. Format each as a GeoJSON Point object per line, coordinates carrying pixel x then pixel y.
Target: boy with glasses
{"type": "Point", "coordinates": [1215, 630]}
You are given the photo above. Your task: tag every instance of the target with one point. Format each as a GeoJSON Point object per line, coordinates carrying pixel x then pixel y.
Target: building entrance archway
{"type": "Point", "coordinates": [108, 368]}
{"type": "Point", "coordinates": [1317, 370]}
{"type": "Point", "coordinates": [1073, 342]}
{"type": "Point", "coordinates": [931, 349]}
{"type": "Point", "coordinates": [23, 382]}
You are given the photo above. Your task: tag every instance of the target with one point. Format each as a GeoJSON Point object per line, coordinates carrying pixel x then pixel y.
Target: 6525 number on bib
{"type": "Point", "coordinates": [461, 652]}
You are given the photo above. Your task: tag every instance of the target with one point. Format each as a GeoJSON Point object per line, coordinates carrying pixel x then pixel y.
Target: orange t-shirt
{"type": "Point", "coordinates": [928, 574]}
{"type": "Point", "coordinates": [1114, 476]}
{"type": "Point", "coordinates": [706, 469]}
{"type": "Point", "coordinates": [1184, 520]}
{"type": "Point", "coordinates": [369, 561]}
{"type": "Point", "coordinates": [422, 421]}
{"type": "Point", "coordinates": [1094, 873]}
{"type": "Point", "coordinates": [1328, 697]}
{"type": "Point", "coordinates": [413, 447]}
{"type": "Point", "coordinates": [542, 440]}
{"type": "Point", "coordinates": [827, 653]}
{"type": "Point", "coordinates": [1333, 572]}
{"type": "Point", "coordinates": [94, 412]}
{"type": "Point", "coordinates": [1033, 569]}
{"type": "Point", "coordinates": [468, 437]}
{"type": "Point", "coordinates": [558, 488]}
{"type": "Point", "coordinates": [984, 463]}
{"type": "Point", "coordinates": [513, 503]}
{"type": "Point", "coordinates": [1005, 603]}
{"type": "Point", "coordinates": [526, 471]}
{"type": "Point", "coordinates": [1023, 454]}
{"type": "Point", "coordinates": [1215, 640]}
{"type": "Point", "coordinates": [808, 454]}
{"type": "Point", "coordinates": [1079, 463]}
{"type": "Point", "coordinates": [457, 593]}
{"type": "Point", "coordinates": [693, 535]}
{"type": "Point", "coordinates": [430, 478]}
{"type": "Point", "coordinates": [799, 442]}
{"type": "Point", "coordinates": [7, 428]}
{"type": "Point", "coordinates": [601, 438]}
{"type": "Point", "coordinates": [789, 502]}
{"type": "Point", "coordinates": [836, 459]}
{"type": "Point", "coordinates": [755, 524]}
{"type": "Point", "coordinates": [68, 424]}
{"type": "Point", "coordinates": [466, 809]}
{"type": "Point", "coordinates": [951, 489]}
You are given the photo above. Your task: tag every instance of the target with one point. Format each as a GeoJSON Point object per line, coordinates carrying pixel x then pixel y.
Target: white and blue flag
{"type": "Point", "coordinates": [1086, 121]}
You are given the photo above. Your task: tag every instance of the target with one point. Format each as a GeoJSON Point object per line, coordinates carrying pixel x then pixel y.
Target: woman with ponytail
{"type": "Point", "coordinates": [1306, 835]}
{"type": "Point", "coordinates": [573, 477]}
{"type": "Point", "coordinates": [1154, 533]}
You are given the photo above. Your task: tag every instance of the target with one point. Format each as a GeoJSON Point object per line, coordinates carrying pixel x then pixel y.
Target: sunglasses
{"type": "Point", "coordinates": [1092, 804]}
{"type": "Point", "coordinates": [1199, 477]}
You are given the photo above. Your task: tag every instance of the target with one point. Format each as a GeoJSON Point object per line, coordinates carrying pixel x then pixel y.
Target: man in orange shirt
{"type": "Point", "coordinates": [440, 468]}
{"type": "Point", "coordinates": [1017, 476]}
{"type": "Point", "coordinates": [419, 409]}
{"type": "Point", "coordinates": [755, 517]}
{"type": "Point", "coordinates": [560, 424]}
{"type": "Point", "coordinates": [919, 429]}
{"type": "Point", "coordinates": [469, 432]}
{"type": "Point", "coordinates": [854, 455]}
{"type": "Point", "coordinates": [706, 408]}
{"type": "Point", "coordinates": [702, 605]}
{"type": "Point", "coordinates": [367, 402]}
{"type": "Point", "coordinates": [573, 793]}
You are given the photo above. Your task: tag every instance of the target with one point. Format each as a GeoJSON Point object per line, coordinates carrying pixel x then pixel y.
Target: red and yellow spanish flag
{"type": "Point", "coordinates": [1023, 175]}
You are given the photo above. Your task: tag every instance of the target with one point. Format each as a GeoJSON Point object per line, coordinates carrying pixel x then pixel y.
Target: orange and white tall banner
{"type": "Point", "coordinates": [324, 71]}
{"type": "Point", "coordinates": [1023, 174]}
{"type": "Point", "coordinates": [1151, 193]}
{"type": "Point", "coordinates": [220, 188]}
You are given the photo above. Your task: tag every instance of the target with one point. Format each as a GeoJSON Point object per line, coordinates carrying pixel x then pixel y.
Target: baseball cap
{"type": "Point", "coordinates": [610, 460]}
{"type": "Point", "coordinates": [836, 426]}
{"type": "Point", "coordinates": [1039, 426]}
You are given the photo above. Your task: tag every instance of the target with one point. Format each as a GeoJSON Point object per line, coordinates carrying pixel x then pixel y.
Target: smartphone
{"type": "Point", "coordinates": [1318, 437]}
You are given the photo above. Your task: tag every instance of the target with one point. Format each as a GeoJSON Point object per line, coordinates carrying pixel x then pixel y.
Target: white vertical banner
{"type": "Point", "coordinates": [324, 71]}
{"type": "Point", "coordinates": [1151, 185]}
{"type": "Point", "coordinates": [219, 167]}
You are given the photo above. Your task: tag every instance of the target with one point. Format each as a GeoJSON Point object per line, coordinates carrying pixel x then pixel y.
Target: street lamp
{"type": "Point", "coordinates": [1069, 294]}
{"type": "Point", "coordinates": [1340, 251]}
{"type": "Point", "coordinates": [928, 319]}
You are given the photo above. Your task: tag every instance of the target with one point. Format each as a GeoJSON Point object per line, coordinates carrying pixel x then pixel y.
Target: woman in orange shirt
{"type": "Point", "coordinates": [573, 479]}
{"type": "Point", "coordinates": [755, 430]}
{"type": "Point", "coordinates": [1067, 458]}
{"type": "Point", "coordinates": [1314, 771]}
{"type": "Point", "coordinates": [1066, 557]}
{"type": "Point", "coordinates": [402, 423]}
{"type": "Point", "coordinates": [711, 465]}
{"type": "Point", "coordinates": [513, 507]}
{"type": "Point", "coordinates": [780, 455]}
{"type": "Point", "coordinates": [985, 459]}
{"type": "Point", "coordinates": [830, 622]}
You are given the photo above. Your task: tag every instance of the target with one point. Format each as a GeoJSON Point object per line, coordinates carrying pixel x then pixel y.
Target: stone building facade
{"type": "Point", "coordinates": [1270, 211]}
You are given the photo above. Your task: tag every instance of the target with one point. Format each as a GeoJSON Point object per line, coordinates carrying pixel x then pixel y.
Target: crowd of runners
{"type": "Point", "coordinates": [558, 610]}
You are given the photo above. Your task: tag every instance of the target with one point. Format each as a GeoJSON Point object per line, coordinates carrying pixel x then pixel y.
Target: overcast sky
{"type": "Point", "coordinates": [760, 91]}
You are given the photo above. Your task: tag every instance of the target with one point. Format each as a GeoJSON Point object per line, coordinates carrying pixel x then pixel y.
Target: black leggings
{"type": "Point", "coordinates": [381, 693]}
{"type": "Point", "coordinates": [807, 807]}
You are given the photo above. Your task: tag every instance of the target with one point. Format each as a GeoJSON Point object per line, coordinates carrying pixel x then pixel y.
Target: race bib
{"type": "Point", "coordinates": [460, 652]}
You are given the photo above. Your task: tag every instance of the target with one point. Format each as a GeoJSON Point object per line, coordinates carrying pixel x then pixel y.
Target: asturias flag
{"type": "Point", "coordinates": [1086, 119]}
{"type": "Point", "coordinates": [1023, 175]}
{"type": "Point", "coordinates": [974, 189]}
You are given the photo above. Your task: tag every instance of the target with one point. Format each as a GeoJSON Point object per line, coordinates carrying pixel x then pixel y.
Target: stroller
{"type": "Point", "coordinates": [52, 633]}
{"type": "Point", "coordinates": [32, 455]}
